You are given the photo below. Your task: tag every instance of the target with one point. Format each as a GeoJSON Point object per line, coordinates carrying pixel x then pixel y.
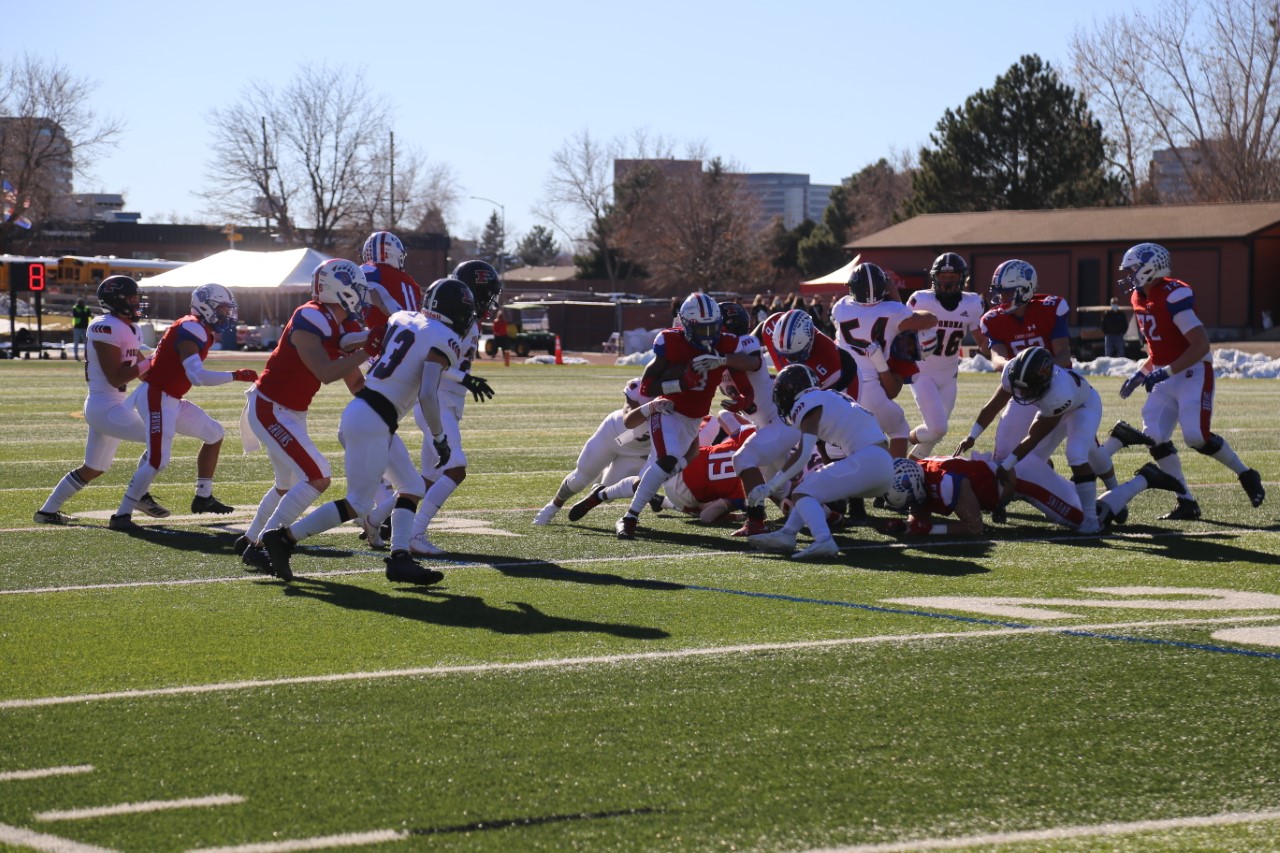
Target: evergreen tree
{"type": "Point", "coordinates": [492, 244]}
{"type": "Point", "coordinates": [1028, 143]}
{"type": "Point", "coordinates": [538, 248]}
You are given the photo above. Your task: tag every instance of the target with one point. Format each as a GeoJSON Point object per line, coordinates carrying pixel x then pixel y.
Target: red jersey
{"type": "Point", "coordinates": [942, 477]}
{"type": "Point", "coordinates": [700, 390]}
{"type": "Point", "coordinates": [710, 476]}
{"type": "Point", "coordinates": [397, 287]}
{"type": "Point", "coordinates": [285, 379]}
{"type": "Point", "coordinates": [1156, 307]}
{"type": "Point", "coordinates": [1044, 321]}
{"type": "Point", "coordinates": [824, 358]}
{"type": "Point", "coordinates": [167, 372]}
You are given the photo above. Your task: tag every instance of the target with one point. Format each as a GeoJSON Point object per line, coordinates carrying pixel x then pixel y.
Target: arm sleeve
{"type": "Point", "coordinates": [429, 397]}
{"type": "Point", "coordinates": [194, 366]}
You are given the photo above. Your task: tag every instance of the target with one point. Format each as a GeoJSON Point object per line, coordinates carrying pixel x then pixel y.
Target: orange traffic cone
{"type": "Point", "coordinates": [559, 354]}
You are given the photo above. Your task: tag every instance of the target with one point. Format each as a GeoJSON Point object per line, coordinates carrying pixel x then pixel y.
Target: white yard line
{"type": "Point", "coordinates": [605, 660]}
{"type": "Point", "coordinates": [32, 840]}
{"type": "Point", "coordinates": [45, 772]}
{"type": "Point", "coordinates": [324, 842]}
{"type": "Point", "coordinates": [1062, 833]}
{"type": "Point", "coordinates": [140, 808]}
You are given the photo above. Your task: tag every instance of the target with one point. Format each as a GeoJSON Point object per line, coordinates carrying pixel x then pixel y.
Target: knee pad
{"type": "Point", "coordinates": [408, 502]}
{"type": "Point", "coordinates": [1209, 447]}
{"type": "Point", "coordinates": [1163, 449]}
{"type": "Point", "coordinates": [668, 463]}
{"type": "Point", "coordinates": [1083, 478]}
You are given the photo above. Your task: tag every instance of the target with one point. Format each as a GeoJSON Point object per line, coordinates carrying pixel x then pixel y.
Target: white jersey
{"type": "Point", "coordinates": [470, 344]}
{"type": "Point", "coordinates": [843, 422]}
{"type": "Point", "coordinates": [410, 338]}
{"type": "Point", "coordinates": [119, 333]}
{"type": "Point", "coordinates": [761, 383]}
{"type": "Point", "coordinates": [953, 325]}
{"type": "Point", "coordinates": [857, 325]}
{"type": "Point", "coordinates": [1068, 391]}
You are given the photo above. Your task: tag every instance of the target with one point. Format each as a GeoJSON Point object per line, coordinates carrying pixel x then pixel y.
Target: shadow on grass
{"type": "Point", "coordinates": [438, 606]}
{"type": "Point", "coordinates": [1199, 549]}
{"type": "Point", "coordinates": [524, 567]}
{"type": "Point", "coordinates": [214, 542]}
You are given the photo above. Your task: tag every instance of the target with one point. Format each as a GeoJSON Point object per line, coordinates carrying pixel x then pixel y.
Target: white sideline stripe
{"type": "Point", "coordinates": [15, 775]}
{"type": "Point", "coordinates": [324, 842]}
{"type": "Point", "coordinates": [29, 838]}
{"type": "Point", "coordinates": [594, 660]}
{"type": "Point", "coordinates": [1062, 833]}
{"type": "Point", "coordinates": [140, 808]}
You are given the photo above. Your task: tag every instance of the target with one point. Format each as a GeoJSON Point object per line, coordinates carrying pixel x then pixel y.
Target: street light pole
{"type": "Point", "coordinates": [502, 249]}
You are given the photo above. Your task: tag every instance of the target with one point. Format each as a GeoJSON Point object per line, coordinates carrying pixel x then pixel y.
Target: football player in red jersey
{"type": "Point", "coordinates": [178, 364]}
{"type": "Point", "coordinates": [1022, 318]}
{"type": "Point", "coordinates": [1178, 374]}
{"type": "Point", "coordinates": [321, 343]}
{"type": "Point", "coordinates": [965, 488]}
{"type": "Point", "coordinates": [391, 289]}
{"type": "Point", "coordinates": [705, 351]}
{"type": "Point", "coordinates": [707, 487]}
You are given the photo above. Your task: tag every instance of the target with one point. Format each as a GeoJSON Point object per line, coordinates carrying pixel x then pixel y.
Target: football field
{"type": "Point", "coordinates": [564, 690]}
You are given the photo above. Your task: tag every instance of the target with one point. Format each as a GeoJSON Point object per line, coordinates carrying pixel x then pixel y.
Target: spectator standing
{"type": "Point", "coordinates": [759, 310]}
{"type": "Point", "coordinates": [1114, 324]}
{"type": "Point", "coordinates": [500, 339]}
{"type": "Point", "coordinates": [80, 316]}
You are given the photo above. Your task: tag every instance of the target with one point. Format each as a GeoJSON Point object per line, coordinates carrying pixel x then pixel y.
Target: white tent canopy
{"type": "Point", "coordinates": [840, 276]}
{"type": "Point", "coordinates": [288, 271]}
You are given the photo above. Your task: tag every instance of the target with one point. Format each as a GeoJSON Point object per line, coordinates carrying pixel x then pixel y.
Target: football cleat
{"type": "Point", "coordinates": [57, 517]}
{"type": "Point", "coordinates": [857, 511]}
{"type": "Point", "coordinates": [1251, 482]}
{"type": "Point", "coordinates": [1129, 435]}
{"type": "Point", "coordinates": [241, 545]}
{"type": "Point", "coordinates": [544, 516]}
{"type": "Point", "coordinates": [371, 534]}
{"type": "Point", "coordinates": [753, 527]}
{"type": "Point", "coordinates": [626, 526]}
{"type": "Point", "coordinates": [1106, 517]}
{"type": "Point", "coordinates": [1158, 479]}
{"type": "Point", "coordinates": [1188, 509]}
{"type": "Point", "coordinates": [402, 569]}
{"type": "Point", "coordinates": [656, 504]}
{"type": "Point", "coordinates": [148, 504]}
{"type": "Point", "coordinates": [779, 540]}
{"type": "Point", "coordinates": [123, 523]}
{"type": "Point", "coordinates": [819, 549]}
{"type": "Point", "coordinates": [1121, 517]}
{"type": "Point", "coordinates": [209, 504]}
{"type": "Point", "coordinates": [999, 515]}
{"type": "Point", "coordinates": [1090, 528]}
{"type": "Point", "coordinates": [256, 559]}
{"type": "Point", "coordinates": [279, 548]}
{"type": "Point", "coordinates": [590, 502]}
{"type": "Point", "coordinates": [421, 546]}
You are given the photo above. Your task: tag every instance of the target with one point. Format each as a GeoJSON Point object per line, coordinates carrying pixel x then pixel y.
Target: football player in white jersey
{"type": "Point", "coordinates": [958, 313]}
{"type": "Point", "coordinates": [866, 324]}
{"type": "Point", "coordinates": [865, 471]}
{"type": "Point", "coordinates": [613, 453]}
{"type": "Point", "coordinates": [113, 359]}
{"type": "Point", "coordinates": [486, 289]}
{"type": "Point", "coordinates": [416, 351]}
{"type": "Point", "coordinates": [1065, 406]}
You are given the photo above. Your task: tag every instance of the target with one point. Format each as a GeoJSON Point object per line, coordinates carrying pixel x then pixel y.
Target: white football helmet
{"type": "Point", "coordinates": [700, 319]}
{"type": "Point", "coordinates": [215, 306]}
{"type": "Point", "coordinates": [1013, 284]}
{"type": "Point", "coordinates": [383, 247]}
{"type": "Point", "coordinates": [632, 392]}
{"type": "Point", "coordinates": [794, 335]}
{"type": "Point", "coordinates": [342, 282]}
{"type": "Point", "coordinates": [906, 488]}
{"type": "Point", "coordinates": [1143, 264]}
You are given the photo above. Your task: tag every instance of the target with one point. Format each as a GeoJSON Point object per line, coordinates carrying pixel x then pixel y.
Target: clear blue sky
{"type": "Point", "coordinates": [493, 88]}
